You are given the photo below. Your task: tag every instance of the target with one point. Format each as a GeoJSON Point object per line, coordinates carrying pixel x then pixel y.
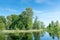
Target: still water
{"type": "Point", "coordinates": [43, 36]}
{"type": "Point", "coordinates": [48, 37]}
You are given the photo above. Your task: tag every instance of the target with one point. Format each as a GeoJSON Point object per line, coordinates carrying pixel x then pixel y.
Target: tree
{"type": "Point", "coordinates": [28, 22]}
{"type": "Point", "coordinates": [2, 23]}
{"type": "Point", "coordinates": [36, 26]}
{"type": "Point", "coordinates": [29, 16]}
{"type": "Point", "coordinates": [53, 29]}
{"type": "Point", "coordinates": [23, 22]}
{"type": "Point", "coordinates": [57, 26]}
{"type": "Point", "coordinates": [26, 19]}
{"type": "Point", "coordinates": [10, 20]}
{"type": "Point", "coordinates": [42, 26]}
{"type": "Point", "coordinates": [51, 26]}
{"type": "Point", "coordinates": [2, 26]}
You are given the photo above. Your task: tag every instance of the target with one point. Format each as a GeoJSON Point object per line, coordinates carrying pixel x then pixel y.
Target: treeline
{"type": "Point", "coordinates": [53, 26]}
{"type": "Point", "coordinates": [54, 29]}
{"type": "Point", "coordinates": [24, 21]}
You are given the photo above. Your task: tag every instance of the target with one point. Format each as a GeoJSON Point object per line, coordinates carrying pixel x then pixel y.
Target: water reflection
{"type": "Point", "coordinates": [54, 35]}
{"type": "Point", "coordinates": [43, 35]}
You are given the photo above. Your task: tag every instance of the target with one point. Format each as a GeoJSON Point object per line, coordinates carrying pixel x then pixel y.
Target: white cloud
{"type": "Point", "coordinates": [8, 9]}
{"type": "Point", "coordinates": [12, 10]}
{"type": "Point", "coordinates": [44, 1]}
{"type": "Point", "coordinates": [47, 16]}
{"type": "Point", "coordinates": [37, 11]}
{"type": "Point", "coordinates": [49, 2]}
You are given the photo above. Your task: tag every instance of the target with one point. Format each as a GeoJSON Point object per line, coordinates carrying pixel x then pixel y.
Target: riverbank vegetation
{"type": "Point", "coordinates": [24, 21]}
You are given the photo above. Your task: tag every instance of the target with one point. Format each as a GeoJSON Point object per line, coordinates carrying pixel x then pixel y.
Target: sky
{"type": "Point", "coordinates": [45, 10]}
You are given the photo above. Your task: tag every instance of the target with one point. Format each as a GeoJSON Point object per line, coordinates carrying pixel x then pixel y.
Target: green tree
{"type": "Point", "coordinates": [2, 26]}
{"type": "Point", "coordinates": [24, 22]}
{"type": "Point", "coordinates": [51, 26]}
{"type": "Point", "coordinates": [36, 26]}
{"type": "Point", "coordinates": [42, 25]}
{"type": "Point", "coordinates": [28, 22]}
{"type": "Point", "coordinates": [2, 23]}
{"type": "Point", "coordinates": [10, 21]}
{"type": "Point", "coordinates": [57, 26]}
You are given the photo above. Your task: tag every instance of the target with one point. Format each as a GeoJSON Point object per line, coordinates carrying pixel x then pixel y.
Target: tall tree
{"type": "Point", "coordinates": [36, 26]}
{"type": "Point", "coordinates": [2, 26]}
{"type": "Point", "coordinates": [24, 22]}
{"type": "Point", "coordinates": [2, 23]}
{"type": "Point", "coordinates": [28, 22]}
{"type": "Point", "coordinates": [11, 21]}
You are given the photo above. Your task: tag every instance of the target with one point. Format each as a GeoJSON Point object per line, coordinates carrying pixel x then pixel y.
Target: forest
{"type": "Point", "coordinates": [24, 21]}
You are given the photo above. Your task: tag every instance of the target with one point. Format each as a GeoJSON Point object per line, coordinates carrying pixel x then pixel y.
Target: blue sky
{"type": "Point", "coordinates": [46, 10]}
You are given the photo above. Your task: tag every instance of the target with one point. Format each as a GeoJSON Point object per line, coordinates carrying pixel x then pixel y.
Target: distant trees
{"type": "Point", "coordinates": [53, 29]}
{"type": "Point", "coordinates": [53, 26]}
{"type": "Point", "coordinates": [57, 26]}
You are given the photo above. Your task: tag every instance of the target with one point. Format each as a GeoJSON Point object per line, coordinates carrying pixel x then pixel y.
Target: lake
{"type": "Point", "coordinates": [43, 36]}
{"type": "Point", "coordinates": [48, 37]}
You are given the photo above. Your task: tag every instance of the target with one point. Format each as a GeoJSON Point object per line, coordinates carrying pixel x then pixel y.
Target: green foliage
{"type": "Point", "coordinates": [2, 26]}
{"type": "Point", "coordinates": [10, 20]}
{"type": "Point", "coordinates": [37, 25]}
{"type": "Point", "coordinates": [51, 26]}
{"type": "Point", "coordinates": [57, 26]}
{"type": "Point", "coordinates": [2, 19]}
{"type": "Point", "coordinates": [53, 29]}
{"type": "Point", "coordinates": [2, 36]}
{"type": "Point", "coordinates": [21, 22]}
{"type": "Point", "coordinates": [24, 21]}
{"type": "Point", "coordinates": [2, 23]}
